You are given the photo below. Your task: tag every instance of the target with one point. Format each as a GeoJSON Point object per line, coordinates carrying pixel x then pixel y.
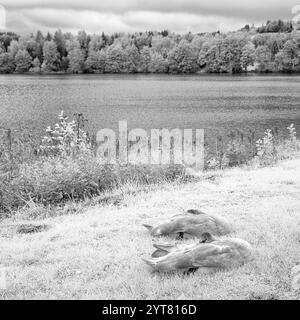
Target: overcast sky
{"type": "Point", "coordinates": [140, 15]}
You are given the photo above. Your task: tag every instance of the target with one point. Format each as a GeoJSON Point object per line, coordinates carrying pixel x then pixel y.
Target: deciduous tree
{"type": "Point", "coordinates": [51, 57]}
{"type": "Point", "coordinates": [23, 61]}
{"type": "Point", "coordinates": [6, 63]}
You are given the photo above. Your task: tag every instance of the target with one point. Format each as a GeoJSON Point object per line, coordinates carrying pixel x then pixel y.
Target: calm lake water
{"type": "Point", "coordinates": [216, 103]}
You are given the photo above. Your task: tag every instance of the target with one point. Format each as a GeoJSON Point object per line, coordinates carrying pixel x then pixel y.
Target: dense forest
{"type": "Point", "coordinates": [273, 47]}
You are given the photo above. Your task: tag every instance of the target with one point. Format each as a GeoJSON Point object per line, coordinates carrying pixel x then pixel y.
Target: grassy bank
{"type": "Point", "coordinates": [62, 169]}
{"type": "Point", "coordinates": [97, 254]}
{"type": "Point", "coordinates": [89, 218]}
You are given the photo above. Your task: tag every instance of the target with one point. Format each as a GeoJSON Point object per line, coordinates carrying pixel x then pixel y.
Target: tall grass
{"type": "Point", "coordinates": [56, 180]}
{"type": "Point", "coordinates": [62, 166]}
{"type": "Point", "coordinates": [243, 148]}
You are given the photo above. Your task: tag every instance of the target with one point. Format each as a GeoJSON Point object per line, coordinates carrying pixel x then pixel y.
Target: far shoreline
{"type": "Point", "coordinates": [198, 74]}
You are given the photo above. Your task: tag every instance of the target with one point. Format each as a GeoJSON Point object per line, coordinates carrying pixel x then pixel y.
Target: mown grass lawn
{"type": "Point", "coordinates": [97, 254]}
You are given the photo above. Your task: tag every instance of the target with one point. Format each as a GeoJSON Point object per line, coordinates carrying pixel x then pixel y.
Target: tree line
{"type": "Point", "coordinates": [274, 47]}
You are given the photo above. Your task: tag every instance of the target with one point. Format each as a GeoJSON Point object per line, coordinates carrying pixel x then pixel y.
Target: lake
{"type": "Point", "coordinates": [216, 103]}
